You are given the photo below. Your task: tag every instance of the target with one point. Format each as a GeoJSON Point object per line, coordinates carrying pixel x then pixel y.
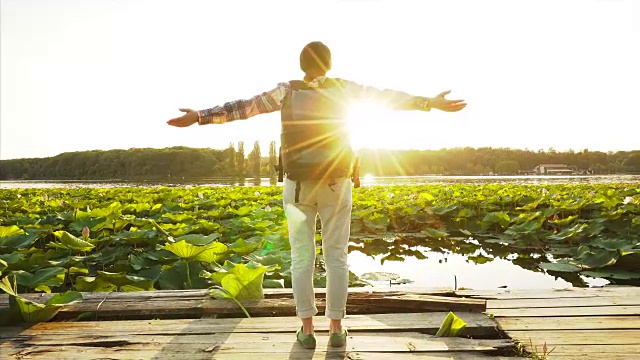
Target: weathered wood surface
{"type": "Point", "coordinates": [606, 352]}
{"type": "Point", "coordinates": [570, 292]}
{"type": "Point", "coordinates": [562, 302]}
{"type": "Point", "coordinates": [576, 323]}
{"type": "Point", "coordinates": [570, 323]}
{"type": "Point", "coordinates": [478, 325]}
{"type": "Point", "coordinates": [580, 337]}
{"type": "Point", "coordinates": [568, 311]}
{"type": "Point", "coordinates": [379, 336]}
{"type": "Point", "coordinates": [198, 303]}
{"type": "Point", "coordinates": [297, 353]}
{"type": "Point", "coordinates": [200, 294]}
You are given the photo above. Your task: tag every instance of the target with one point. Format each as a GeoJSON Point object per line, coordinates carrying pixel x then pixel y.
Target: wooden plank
{"type": "Point", "coordinates": [607, 352]}
{"type": "Point", "coordinates": [391, 290]}
{"type": "Point", "coordinates": [571, 292]}
{"type": "Point", "coordinates": [569, 323]}
{"type": "Point", "coordinates": [426, 302]}
{"type": "Point", "coordinates": [223, 344]}
{"type": "Point", "coordinates": [202, 294]}
{"type": "Point", "coordinates": [577, 337]}
{"type": "Point", "coordinates": [477, 325]}
{"type": "Point", "coordinates": [569, 311]}
{"type": "Point", "coordinates": [74, 353]}
{"type": "Point", "coordinates": [122, 308]}
{"type": "Point", "coordinates": [194, 304]}
{"type": "Point", "coordinates": [563, 302]}
{"type": "Point", "coordinates": [582, 356]}
{"type": "Point", "coordinates": [261, 342]}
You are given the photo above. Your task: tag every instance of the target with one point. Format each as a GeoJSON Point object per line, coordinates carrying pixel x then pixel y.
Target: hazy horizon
{"type": "Point", "coordinates": [105, 75]}
{"type": "Point", "coordinates": [264, 151]}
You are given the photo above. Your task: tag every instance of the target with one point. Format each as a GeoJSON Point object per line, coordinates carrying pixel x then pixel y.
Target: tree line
{"type": "Point", "coordinates": [189, 163]}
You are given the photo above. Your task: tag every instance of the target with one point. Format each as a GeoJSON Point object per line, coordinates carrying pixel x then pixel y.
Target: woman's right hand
{"type": "Point", "coordinates": [440, 103]}
{"type": "Point", "coordinates": [188, 119]}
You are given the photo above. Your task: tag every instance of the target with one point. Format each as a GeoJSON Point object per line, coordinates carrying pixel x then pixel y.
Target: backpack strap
{"type": "Point", "coordinates": [297, 196]}
{"type": "Point", "coordinates": [355, 176]}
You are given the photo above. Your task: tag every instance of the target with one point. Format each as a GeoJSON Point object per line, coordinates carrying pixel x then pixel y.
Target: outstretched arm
{"type": "Point", "coordinates": [266, 102]}
{"type": "Point", "coordinates": [402, 101]}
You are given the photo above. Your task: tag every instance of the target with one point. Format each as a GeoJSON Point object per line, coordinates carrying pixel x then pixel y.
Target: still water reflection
{"type": "Point", "coordinates": [453, 270]}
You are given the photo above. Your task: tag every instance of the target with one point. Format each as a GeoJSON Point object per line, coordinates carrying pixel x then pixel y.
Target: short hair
{"type": "Point", "coordinates": [315, 57]}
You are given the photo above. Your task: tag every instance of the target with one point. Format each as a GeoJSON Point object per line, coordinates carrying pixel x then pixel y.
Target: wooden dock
{"type": "Point", "coordinates": [578, 323]}
{"type": "Point", "coordinates": [383, 324]}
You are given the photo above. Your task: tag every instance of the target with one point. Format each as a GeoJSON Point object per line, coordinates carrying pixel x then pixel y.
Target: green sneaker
{"type": "Point", "coordinates": [307, 341]}
{"type": "Point", "coordinates": [338, 340]}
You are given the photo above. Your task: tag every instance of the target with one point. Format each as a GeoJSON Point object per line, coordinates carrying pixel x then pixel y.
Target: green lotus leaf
{"type": "Point", "coordinates": [12, 230]}
{"type": "Point", "coordinates": [613, 273]}
{"type": "Point", "coordinates": [560, 267]}
{"type": "Point", "coordinates": [569, 232]}
{"type": "Point", "coordinates": [175, 277]}
{"type": "Point", "coordinates": [137, 236]}
{"type": "Point", "coordinates": [66, 298]}
{"type": "Point", "coordinates": [596, 257]}
{"type": "Point", "coordinates": [94, 224]}
{"type": "Point", "coordinates": [107, 281]}
{"type": "Point", "coordinates": [451, 326]}
{"type": "Point", "coordinates": [480, 259]}
{"type": "Point", "coordinates": [272, 284]}
{"type": "Point", "coordinates": [12, 259]}
{"type": "Point", "coordinates": [68, 241]}
{"type": "Point", "coordinates": [78, 270]}
{"type": "Point", "coordinates": [7, 286]}
{"type": "Point", "coordinates": [136, 262]}
{"type": "Point", "coordinates": [500, 218]}
{"type": "Point", "coordinates": [20, 241]}
{"type": "Point", "coordinates": [33, 312]}
{"type": "Point", "coordinates": [245, 283]}
{"type": "Point", "coordinates": [564, 222]}
{"type": "Point", "coordinates": [185, 250]}
{"type": "Point", "coordinates": [42, 279]}
{"type": "Point", "coordinates": [434, 233]}
{"type": "Point", "coordinates": [155, 209]}
{"type": "Point", "coordinates": [527, 227]}
{"type": "Point", "coordinates": [177, 218]}
{"type": "Point", "coordinates": [615, 244]}
{"type": "Point", "coordinates": [136, 208]}
{"type": "Point", "coordinates": [444, 210]}
{"type": "Point", "coordinates": [215, 252]}
{"type": "Point", "coordinates": [199, 239]}
{"type": "Point", "coordinates": [391, 257]}
{"type": "Point", "coordinates": [152, 273]}
{"type": "Point", "coordinates": [243, 247]}
{"type": "Point", "coordinates": [242, 211]}
{"type": "Point", "coordinates": [427, 196]}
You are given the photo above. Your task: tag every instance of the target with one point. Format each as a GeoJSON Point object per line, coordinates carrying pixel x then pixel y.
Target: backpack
{"type": "Point", "coordinates": [315, 141]}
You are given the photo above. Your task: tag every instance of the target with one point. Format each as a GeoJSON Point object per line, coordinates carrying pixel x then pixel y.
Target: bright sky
{"type": "Point", "coordinates": [83, 75]}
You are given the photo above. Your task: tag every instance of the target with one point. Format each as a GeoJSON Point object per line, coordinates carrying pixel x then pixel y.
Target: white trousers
{"type": "Point", "coordinates": [331, 199]}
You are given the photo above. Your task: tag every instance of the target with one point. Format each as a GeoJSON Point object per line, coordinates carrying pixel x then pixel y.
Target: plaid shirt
{"type": "Point", "coordinates": [271, 101]}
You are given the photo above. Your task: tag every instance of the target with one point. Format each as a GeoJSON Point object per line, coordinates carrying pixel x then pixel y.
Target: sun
{"type": "Point", "coordinates": [371, 126]}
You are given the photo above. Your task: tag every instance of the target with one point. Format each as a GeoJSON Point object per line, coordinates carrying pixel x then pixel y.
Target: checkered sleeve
{"type": "Point", "coordinates": [392, 98]}
{"type": "Point", "coordinates": [266, 102]}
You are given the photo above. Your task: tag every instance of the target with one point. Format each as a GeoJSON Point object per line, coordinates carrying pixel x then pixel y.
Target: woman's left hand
{"type": "Point", "coordinates": [188, 119]}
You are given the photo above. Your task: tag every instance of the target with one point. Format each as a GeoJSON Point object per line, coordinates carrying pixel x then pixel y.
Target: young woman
{"type": "Point", "coordinates": [317, 164]}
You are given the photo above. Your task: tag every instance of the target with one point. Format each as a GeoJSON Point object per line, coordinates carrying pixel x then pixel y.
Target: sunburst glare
{"type": "Point", "coordinates": [370, 126]}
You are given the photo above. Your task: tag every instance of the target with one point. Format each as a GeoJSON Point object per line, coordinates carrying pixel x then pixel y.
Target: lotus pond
{"type": "Point", "coordinates": [137, 238]}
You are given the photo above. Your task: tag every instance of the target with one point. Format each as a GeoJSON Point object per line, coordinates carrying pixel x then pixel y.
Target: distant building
{"type": "Point", "coordinates": [554, 169]}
